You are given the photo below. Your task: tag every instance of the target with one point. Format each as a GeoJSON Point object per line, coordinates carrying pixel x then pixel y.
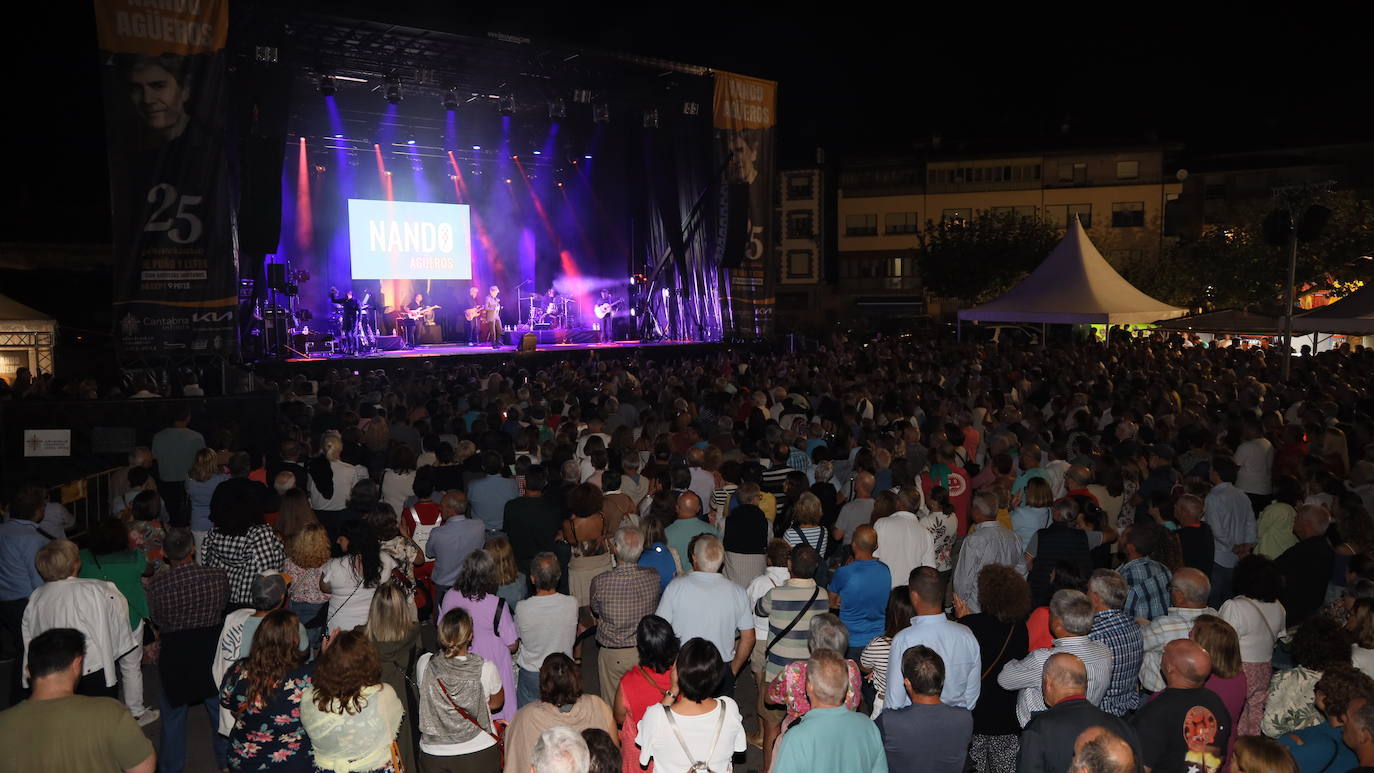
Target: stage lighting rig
{"type": "Point", "coordinates": [505, 104]}
{"type": "Point", "coordinates": [651, 118]}
{"type": "Point", "coordinates": [691, 108]}
{"type": "Point", "coordinates": [328, 86]}
{"type": "Point", "coordinates": [558, 109]}
{"type": "Point", "coordinates": [601, 113]}
{"type": "Point", "coordinates": [450, 100]}
{"type": "Point", "coordinates": [393, 90]}
{"type": "Point", "coordinates": [582, 96]}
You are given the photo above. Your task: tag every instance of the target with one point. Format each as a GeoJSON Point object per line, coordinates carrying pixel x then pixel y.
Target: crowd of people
{"type": "Point", "coordinates": [873, 556]}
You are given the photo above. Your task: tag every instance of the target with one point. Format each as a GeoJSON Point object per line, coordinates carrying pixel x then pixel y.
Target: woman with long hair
{"type": "Point", "coordinates": [709, 727]}
{"type": "Point", "coordinates": [658, 554]}
{"type": "Point", "coordinates": [352, 716]}
{"type": "Point", "coordinates": [648, 683]}
{"type": "Point", "coordinates": [585, 530]}
{"type": "Point", "coordinates": [244, 546]}
{"type": "Point", "coordinates": [873, 659]}
{"type": "Point", "coordinates": [1032, 511]}
{"type": "Point", "coordinates": [262, 693]}
{"type": "Point", "coordinates": [1257, 754]}
{"type": "Point", "coordinates": [394, 630]}
{"type": "Point", "coordinates": [352, 579]}
{"type": "Point", "coordinates": [404, 553]}
{"type": "Point", "coordinates": [459, 690]}
{"type": "Point", "coordinates": [331, 480]}
{"type": "Point", "coordinates": [561, 702]}
{"type": "Point", "coordinates": [306, 554]}
{"type": "Point", "coordinates": [1219, 640]}
{"type": "Point", "coordinates": [512, 584]}
{"type": "Point", "coordinates": [494, 635]}
{"type": "Point", "coordinates": [202, 479]}
{"type": "Point", "coordinates": [1000, 628]}
{"type": "Point", "coordinates": [293, 514]}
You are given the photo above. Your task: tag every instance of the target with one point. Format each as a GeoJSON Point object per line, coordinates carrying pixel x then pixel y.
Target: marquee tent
{"type": "Point", "coordinates": [26, 339]}
{"type": "Point", "coordinates": [1075, 285]}
{"type": "Point", "coordinates": [1352, 314]}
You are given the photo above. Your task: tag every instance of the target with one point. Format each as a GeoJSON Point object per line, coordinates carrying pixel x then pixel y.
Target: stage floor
{"type": "Point", "coordinates": [450, 350]}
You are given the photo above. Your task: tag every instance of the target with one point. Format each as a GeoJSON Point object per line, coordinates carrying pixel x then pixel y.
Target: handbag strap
{"type": "Point", "coordinates": [720, 722]}
{"type": "Point", "coordinates": [1260, 612]}
{"type": "Point", "coordinates": [783, 634]}
{"type": "Point", "coordinates": [444, 689]}
{"type": "Point", "coordinates": [651, 682]}
{"type": "Point", "coordinates": [1010, 630]}
{"type": "Point", "coordinates": [496, 621]}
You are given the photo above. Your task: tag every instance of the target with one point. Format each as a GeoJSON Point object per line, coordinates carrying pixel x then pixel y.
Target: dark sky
{"type": "Point", "coordinates": [859, 79]}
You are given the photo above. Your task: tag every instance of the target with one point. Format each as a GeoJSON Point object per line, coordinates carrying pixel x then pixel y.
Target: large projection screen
{"type": "Point", "coordinates": [409, 240]}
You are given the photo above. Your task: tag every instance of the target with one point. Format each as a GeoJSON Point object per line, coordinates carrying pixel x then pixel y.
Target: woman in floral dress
{"type": "Point", "coordinates": [263, 693]}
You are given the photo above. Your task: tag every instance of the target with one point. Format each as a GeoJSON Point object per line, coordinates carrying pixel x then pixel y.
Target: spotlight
{"type": "Point", "coordinates": [507, 179]}
{"type": "Point", "coordinates": [338, 136]}
{"type": "Point", "coordinates": [328, 86]}
{"type": "Point", "coordinates": [589, 155]}
{"type": "Point", "coordinates": [410, 142]}
{"type": "Point", "coordinates": [558, 109]}
{"type": "Point", "coordinates": [601, 113]}
{"type": "Point", "coordinates": [476, 147]}
{"type": "Point", "coordinates": [582, 96]}
{"type": "Point", "coordinates": [393, 90]}
{"type": "Point", "coordinates": [691, 108]}
{"type": "Point", "coordinates": [450, 100]}
{"type": "Point", "coordinates": [651, 118]}
{"type": "Point", "coordinates": [506, 104]}
{"type": "Point", "coordinates": [538, 152]}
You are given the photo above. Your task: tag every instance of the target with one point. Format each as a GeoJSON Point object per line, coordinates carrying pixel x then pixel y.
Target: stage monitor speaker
{"type": "Point", "coordinates": [529, 342]}
{"type": "Point", "coordinates": [736, 225]}
{"type": "Point", "coordinates": [390, 343]}
{"type": "Point", "coordinates": [276, 276]}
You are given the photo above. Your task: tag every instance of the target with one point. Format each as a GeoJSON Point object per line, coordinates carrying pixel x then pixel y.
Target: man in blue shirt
{"type": "Point", "coordinates": [860, 589]}
{"type": "Point", "coordinates": [20, 540]}
{"type": "Point", "coordinates": [1232, 518]}
{"type": "Point", "coordinates": [954, 643]}
{"type": "Point", "coordinates": [831, 738]}
{"type": "Point", "coordinates": [452, 540]}
{"type": "Point", "coordinates": [488, 495]}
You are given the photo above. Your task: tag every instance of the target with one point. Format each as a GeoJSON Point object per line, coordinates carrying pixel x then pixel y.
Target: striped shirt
{"type": "Point", "coordinates": [814, 536]}
{"type": "Point", "coordinates": [1122, 634]}
{"type": "Point", "coordinates": [1025, 674]}
{"type": "Point", "coordinates": [796, 599]}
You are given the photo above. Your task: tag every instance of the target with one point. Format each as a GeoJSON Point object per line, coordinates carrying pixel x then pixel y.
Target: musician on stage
{"type": "Point", "coordinates": [605, 315]}
{"type": "Point", "coordinates": [348, 329]}
{"type": "Point", "coordinates": [473, 315]}
{"type": "Point", "coordinates": [549, 312]}
{"type": "Point", "coordinates": [493, 308]}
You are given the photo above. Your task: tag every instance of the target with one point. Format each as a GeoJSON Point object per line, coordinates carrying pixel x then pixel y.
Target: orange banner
{"type": "Point", "coordinates": [152, 27]}
{"type": "Point", "coordinates": [745, 103]}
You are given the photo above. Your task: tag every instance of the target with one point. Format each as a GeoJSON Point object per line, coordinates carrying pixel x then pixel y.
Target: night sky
{"type": "Point", "coordinates": [858, 81]}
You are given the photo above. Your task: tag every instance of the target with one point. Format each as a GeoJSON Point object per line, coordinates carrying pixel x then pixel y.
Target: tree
{"type": "Point", "coordinates": [979, 259]}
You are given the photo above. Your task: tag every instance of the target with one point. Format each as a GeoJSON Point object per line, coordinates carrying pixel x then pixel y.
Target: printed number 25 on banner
{"type": "Point", "coordinates": [165, 198]}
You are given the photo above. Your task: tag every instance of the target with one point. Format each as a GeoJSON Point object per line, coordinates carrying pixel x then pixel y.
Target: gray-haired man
{"type": "Point", "coordinates": [621, 598]}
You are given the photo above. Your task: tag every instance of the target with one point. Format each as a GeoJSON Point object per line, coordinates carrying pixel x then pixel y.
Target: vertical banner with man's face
{"type": "Point", "coordinates": [165, 84]}
{"type": "Point", "coordinates": [745, 116]}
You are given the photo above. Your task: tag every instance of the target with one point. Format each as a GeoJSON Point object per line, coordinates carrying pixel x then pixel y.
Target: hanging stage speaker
{"type": "Point", "coordinates": [736, 225]}
{"type": "Point", "coordinates": [276, 276]}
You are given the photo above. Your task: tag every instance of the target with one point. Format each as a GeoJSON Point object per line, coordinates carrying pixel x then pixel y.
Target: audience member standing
{"type": "Point", "coordinates": [20, 541]}
{"type": "Point", "coordinates": [955, 644]}
{"type": "Point", "coordinates": [833, 738]}
{"type": "Point", "coordinates": [1307, 565]}
{"type": "Point", "coordinates": [621, 598]}
{"type": "Point", "coordinates": [494, 635]}
{"type": "Point", "coordinates": [1071, 620]}
{"type": "Point", "coordinates": [1190, 589]}
{"type": "Point", "coordinates": [1259, 620]}
{"type": "Point", "coordinates": [903, 545]}
{"type": "Point", "coordinates": [1002, 637]}
{"type": "Point", "coordinates": [1232, 520]}
{"type": "Point", "coordinates": [1048, 742]}
{"type": "Point", "coordinates": [1147, 580]}
{"type": "Point", "coordinates": [860, 589]}
{"type": "Point", "coordinates": [1121, 633]}
{"type": "Point", "coordinates": [174, 448]}
{"type": "Point", "coordinates": [988, 542]}
{"type": "Point", "coordinates": [456, 537]}
{"type": "Point", "coordinates": [704, 604]}
{"type": "Point", "coordinates": [1186, 727]}
{"type": "Point", "coordinates": [202, 479]}
{"type": "Point", "coordinates": [488, 495]}
{"type": "Point", "coordinates": [545, 623]}
{"type": "Point", "coordinates": [926, 735]}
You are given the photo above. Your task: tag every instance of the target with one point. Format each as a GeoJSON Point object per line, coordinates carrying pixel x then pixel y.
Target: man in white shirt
{"type": "Point", "coordinates": [703, 482]}
{"type": "Point", "coordinates": [1189, 591]}
{"type": "Point", "coordinates": [1071, 620]}
{"type": "Point", "coordinates": [706, 604]}
{"type": "Point", "coordinates": [547, 622]}
{"type": "Point", "coordinates": [988, 542]}
{"type": "Point", "coordinates": [1255, 457]}
{"type": "Point", "coordinates": [903, 543]}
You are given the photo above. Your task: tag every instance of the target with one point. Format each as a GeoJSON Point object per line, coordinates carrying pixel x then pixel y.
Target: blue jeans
{"type": "Point", "coordinates": [526, 687]}
{"type": "Point", "coordinates": [306, 612]}
{"type": "Point", "coordinates": [171, 744]}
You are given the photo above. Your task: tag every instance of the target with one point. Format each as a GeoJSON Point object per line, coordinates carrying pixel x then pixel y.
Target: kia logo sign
{"type": "Point", "coordinates": [212, 316]}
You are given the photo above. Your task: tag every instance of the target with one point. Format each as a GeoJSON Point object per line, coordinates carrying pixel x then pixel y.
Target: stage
{"type": "Point", "coordinates": [461, 353]}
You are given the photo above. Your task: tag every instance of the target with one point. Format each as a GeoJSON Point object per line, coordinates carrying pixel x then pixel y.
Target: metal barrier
{"type": "Point", "coordinates": [87, 499]}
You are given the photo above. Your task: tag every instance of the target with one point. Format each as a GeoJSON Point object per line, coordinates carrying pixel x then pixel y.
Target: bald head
{"type": "Point", "coordinates": [1099, 750]}
{"type": "Point", "coordinates": [1064, 675]}
{"type": "Point", "coordinates": [865, 542]}
{"type": "Point", "coordinates": [863, 485]}
{"type": "Point", "coordinates": [688, 505]}
{"type": "Point", "coordinates": [1185, 664]}
{"type": "Point", "coordinates": [453, 503]}
{"type": "Point", "coordinates": [1311, 521]}
{"type": "Point", "coordinates": [1077, 477]}
{"type": "Point", "coordinates": [1190, 588]}
{"type": "Point", "coordinates": [1030, 456]}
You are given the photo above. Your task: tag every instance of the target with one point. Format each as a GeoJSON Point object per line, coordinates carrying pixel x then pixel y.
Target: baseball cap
{"type": "Point", "coordinates": [268, 590]}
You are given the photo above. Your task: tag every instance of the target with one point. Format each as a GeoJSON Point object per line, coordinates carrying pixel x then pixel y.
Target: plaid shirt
{"type": "Point", "coordinates": [620, 599]}
{"type": "Point", "coordinates": [1147, 593]}
{"type": "Point", "coordinates": [1121, 633]}
{"type": "Point", "coordinates": [244, 557]}
{"type": "Point", "coordinates": [187, 597]}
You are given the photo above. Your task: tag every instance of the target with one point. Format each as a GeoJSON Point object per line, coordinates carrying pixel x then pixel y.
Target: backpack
{"type": "Point", "coordinates": [699, 766]}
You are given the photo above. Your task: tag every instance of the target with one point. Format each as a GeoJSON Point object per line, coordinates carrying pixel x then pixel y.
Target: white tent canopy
{"type": "Point", "coordinates": [1352, 314]}
{"type": "Point", "coordinates": [1075, 285]}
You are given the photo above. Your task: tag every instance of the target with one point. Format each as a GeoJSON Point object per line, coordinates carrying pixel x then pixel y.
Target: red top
{"type": "Point", "coordinates": [640, 688]}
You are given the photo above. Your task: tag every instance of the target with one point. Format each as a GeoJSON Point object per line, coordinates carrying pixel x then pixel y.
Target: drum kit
{"type": "Point", "coordinates": [546, 312]}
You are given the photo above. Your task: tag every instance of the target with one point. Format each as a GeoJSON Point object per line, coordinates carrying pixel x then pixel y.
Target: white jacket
{"type": "Point", "coordinates": [96, 608]}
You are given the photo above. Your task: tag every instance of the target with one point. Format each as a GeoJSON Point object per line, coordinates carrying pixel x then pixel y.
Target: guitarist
{"type": "Point", "coordinates": [473, 315]}
{"type": "Point", "coordinates": [604, 312]}
{"type": "Point", "coordinates": [493, 321]}
{"type": "Point", "coordinates": [419, 315]}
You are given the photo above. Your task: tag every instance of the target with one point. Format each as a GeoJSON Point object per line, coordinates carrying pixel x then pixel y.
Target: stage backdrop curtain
{"type": "Point", "coordinates": [674, 237]}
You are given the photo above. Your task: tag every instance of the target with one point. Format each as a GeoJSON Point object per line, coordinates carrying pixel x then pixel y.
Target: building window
{"type": "Point", "coordinates": [900, 223]}
{"type": "Point", "coordinates": [1075, 173]}
{"type": "Point", "coordinates": [861, 225]}
{"type": "Point", "coordinates": [799, 225]}
{"type": "Point", "coordinates": [1025, 212]}
{"type": "Point", "coordinates": [1128, 214]}
{"type": "Point", "coordinates": [799, 264]}
{"type": "Point", "coordinates": [1127, 170]}
{"type": "Point", "coordinates": [964, 214]}
{"type": "Point", "coordinates": [1059, 214]}
{"type": "Point", "coordinates": [1016, 212]}
{"type": "Point", "coordinates": [799, 187]}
